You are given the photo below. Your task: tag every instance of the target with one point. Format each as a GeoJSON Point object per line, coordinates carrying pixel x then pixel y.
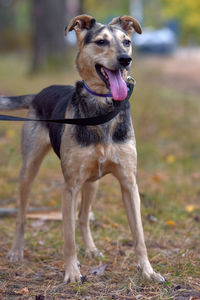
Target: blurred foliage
{"type": "Point", "coordinates": [156, 13]}
{"type": "Point", "coordinates": [151, 13]}
{"type": "Point", "coordinates": [103, 11]}
{"type": "Point", "coordinates": [15, 24]}
{"type": "Point", "coordinates": [188, 14]}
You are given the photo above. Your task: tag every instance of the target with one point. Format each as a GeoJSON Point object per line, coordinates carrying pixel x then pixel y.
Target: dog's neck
{"type": "Point", "coordinates": [104, 95]}
{"type": "Point", "coordinates": [88, 105]}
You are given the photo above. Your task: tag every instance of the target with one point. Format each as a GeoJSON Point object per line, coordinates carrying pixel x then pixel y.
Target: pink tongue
{"type": "Point", "coordinates": [117, 84]}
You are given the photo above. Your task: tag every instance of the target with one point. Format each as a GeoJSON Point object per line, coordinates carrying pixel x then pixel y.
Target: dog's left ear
{"type": "Point", "coordinates": [127, 23]}
{"type": "Point", "coordinates": [80, 23]}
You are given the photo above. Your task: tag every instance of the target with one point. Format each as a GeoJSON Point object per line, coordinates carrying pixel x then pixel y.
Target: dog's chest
{"type": "Point", "coordinates": [113, 132]}
{"type": "Point", "coordinates": [90, 163]}
{"type": "Point", "coordinates": [105, 157]}
{"type": "Point", "coordinates": [101, 161]}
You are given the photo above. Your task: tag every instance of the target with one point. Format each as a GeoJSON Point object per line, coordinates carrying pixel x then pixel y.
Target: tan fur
{"type": "Point", "coordinates": [83, 166]}
{"type": "Point", "coordinates": [90, 54]}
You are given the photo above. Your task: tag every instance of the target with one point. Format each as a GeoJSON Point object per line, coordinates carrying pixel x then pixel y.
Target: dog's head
{"type": "Point", "coordinates": [104, 52]}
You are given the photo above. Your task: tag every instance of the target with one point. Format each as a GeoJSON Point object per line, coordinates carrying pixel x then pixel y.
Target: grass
{"type": "Point", "coordinates": [166, 122]}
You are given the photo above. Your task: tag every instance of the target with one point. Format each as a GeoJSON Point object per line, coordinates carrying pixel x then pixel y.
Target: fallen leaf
{"type": "Point", "coordinates": [171, 223]}
{"type": "Point", "coordinates": [170, 159]}
{"type": "Point", "coordinates": [10, 133]}
{"type": "Point", "coordinates": [53, 202]}
{"type": "Point", "coordinates": [190, 208]}
{"type": "Point", "coordinates": [98, 270]}
{"type": "Point", "coordinates": [194, 298]}
{"type": "Point", "coordinates": [114, 225]}
{"type": "Point", "coordinates": [157, 177]}
{"type": "Point", "coordinates": [107, 239]}
{"type": "Point", "coordinates": [23, 291]}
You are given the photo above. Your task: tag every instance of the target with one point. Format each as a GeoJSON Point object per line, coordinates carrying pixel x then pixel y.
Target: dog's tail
{"type": "Point", "coordinates": [15, 102]}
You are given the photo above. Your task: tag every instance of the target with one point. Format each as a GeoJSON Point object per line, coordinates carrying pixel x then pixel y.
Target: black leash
{"type": "Point", "coordinates": [82, 121]}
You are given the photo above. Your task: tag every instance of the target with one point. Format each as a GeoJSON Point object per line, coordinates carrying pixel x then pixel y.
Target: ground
{"type": "Point", "coordinates": [165, 114]}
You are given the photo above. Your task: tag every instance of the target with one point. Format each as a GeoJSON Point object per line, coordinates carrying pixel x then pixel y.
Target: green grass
{"type": "Point", "coordinates": [166, 122]}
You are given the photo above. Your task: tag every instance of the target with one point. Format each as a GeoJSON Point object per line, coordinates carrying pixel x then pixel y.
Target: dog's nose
{"type": "Point", "coordinates": [124, 59]}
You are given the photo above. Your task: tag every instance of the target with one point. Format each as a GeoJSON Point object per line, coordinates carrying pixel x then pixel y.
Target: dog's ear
{"type": "Point", "coordinates": [127, 23]}
{"type": "Point", "coordinates": [80, 23]}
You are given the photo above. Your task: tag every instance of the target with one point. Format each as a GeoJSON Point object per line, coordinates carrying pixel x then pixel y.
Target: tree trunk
{"type": "Point", "coordinates": [81, 8]}
{"type": "Point", "coordinates": [49, 20]}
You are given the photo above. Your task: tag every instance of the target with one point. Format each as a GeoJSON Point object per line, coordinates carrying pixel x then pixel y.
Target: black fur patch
{"type": "Point", "coordinates": [51, 103]}
{"type": "Point", "coordinates": [86, 106]}
{"type": "Point", "coordinates": [91, 34]}
{"type": "Point", "coordinates": [121, 131]}
{"type": "Point", "coordinates": [85, 135]}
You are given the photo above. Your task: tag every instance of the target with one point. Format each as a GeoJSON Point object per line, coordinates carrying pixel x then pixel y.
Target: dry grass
{"type": "Point", "coordinates": [166, 121]}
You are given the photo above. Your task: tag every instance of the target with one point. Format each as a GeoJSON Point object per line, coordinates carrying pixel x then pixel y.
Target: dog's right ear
{"type": "Point", "coordinates": [128, 24]}
{"type": "Point", "coordinates": [80, 24]}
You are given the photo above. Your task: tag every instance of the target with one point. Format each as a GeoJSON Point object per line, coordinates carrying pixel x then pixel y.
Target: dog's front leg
{"type": "Point", "coordinates": [72, 272]}
{"type": "Point", "coordinates": [125, 171]}
{"type": "Point", "coordinates": [131, 200]}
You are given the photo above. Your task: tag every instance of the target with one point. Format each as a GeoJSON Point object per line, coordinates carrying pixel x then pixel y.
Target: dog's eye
{"type": "Point", "coordinates": [126, 43]}
{"type": "Point", "coordinates": [102, 42]}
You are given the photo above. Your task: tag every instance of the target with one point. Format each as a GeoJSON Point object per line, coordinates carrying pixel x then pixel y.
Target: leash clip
{"type": "Point", "coordinates": [131, 80]}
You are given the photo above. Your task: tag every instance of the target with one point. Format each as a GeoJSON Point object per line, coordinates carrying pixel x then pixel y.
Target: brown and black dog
{"type": "Point", "coordinates": [86, 153]}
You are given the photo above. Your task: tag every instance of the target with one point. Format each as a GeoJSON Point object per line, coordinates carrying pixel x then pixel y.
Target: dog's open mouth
{"type": "Point", "coordinates": [113, 81]}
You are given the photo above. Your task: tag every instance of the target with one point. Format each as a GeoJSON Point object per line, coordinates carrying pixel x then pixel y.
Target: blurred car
{"type": "Point", "coordinates": [161, 41]}
{"type": "Point", "coordinates": [71, 38]}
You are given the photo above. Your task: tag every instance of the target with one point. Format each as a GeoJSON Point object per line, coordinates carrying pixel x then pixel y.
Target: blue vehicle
{"type": "Point", "coordinates": [160, 41]}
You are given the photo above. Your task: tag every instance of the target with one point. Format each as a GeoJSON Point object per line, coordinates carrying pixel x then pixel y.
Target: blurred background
{"type": "Point", "coordinates": [36, 28]}
{"type": "Point", "coordinates": [34, 53]}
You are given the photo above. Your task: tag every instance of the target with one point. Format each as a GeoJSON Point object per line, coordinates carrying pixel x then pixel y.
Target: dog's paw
{"type": "Point", "coordinates": [93, 253]}
{"type": "Point", "coordinates": [15, 255]}
{"type": "Point", "coordinates": [72, 273]}
{"type": "Point", "coordinates": [153, 276]}
{"type": "Point", "coordinates": [149, 274]}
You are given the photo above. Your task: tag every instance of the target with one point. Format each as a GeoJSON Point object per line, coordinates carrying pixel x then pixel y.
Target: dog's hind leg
{"type": "Point", "coordinates": [88, 195]}
{"type": "Point", "coordinates": [35, 144]}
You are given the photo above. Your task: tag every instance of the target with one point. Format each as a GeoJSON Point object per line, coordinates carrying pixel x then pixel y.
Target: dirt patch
{"type": "Point", "coordinates": [180, 70]}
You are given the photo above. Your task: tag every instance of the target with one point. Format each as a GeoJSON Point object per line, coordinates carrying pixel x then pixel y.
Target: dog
{"type": "Point", "coordinates": [87, 153]}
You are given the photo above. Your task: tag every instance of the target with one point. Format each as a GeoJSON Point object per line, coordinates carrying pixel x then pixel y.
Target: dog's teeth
{"type": "Point", "coordinates": [102, 71]}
